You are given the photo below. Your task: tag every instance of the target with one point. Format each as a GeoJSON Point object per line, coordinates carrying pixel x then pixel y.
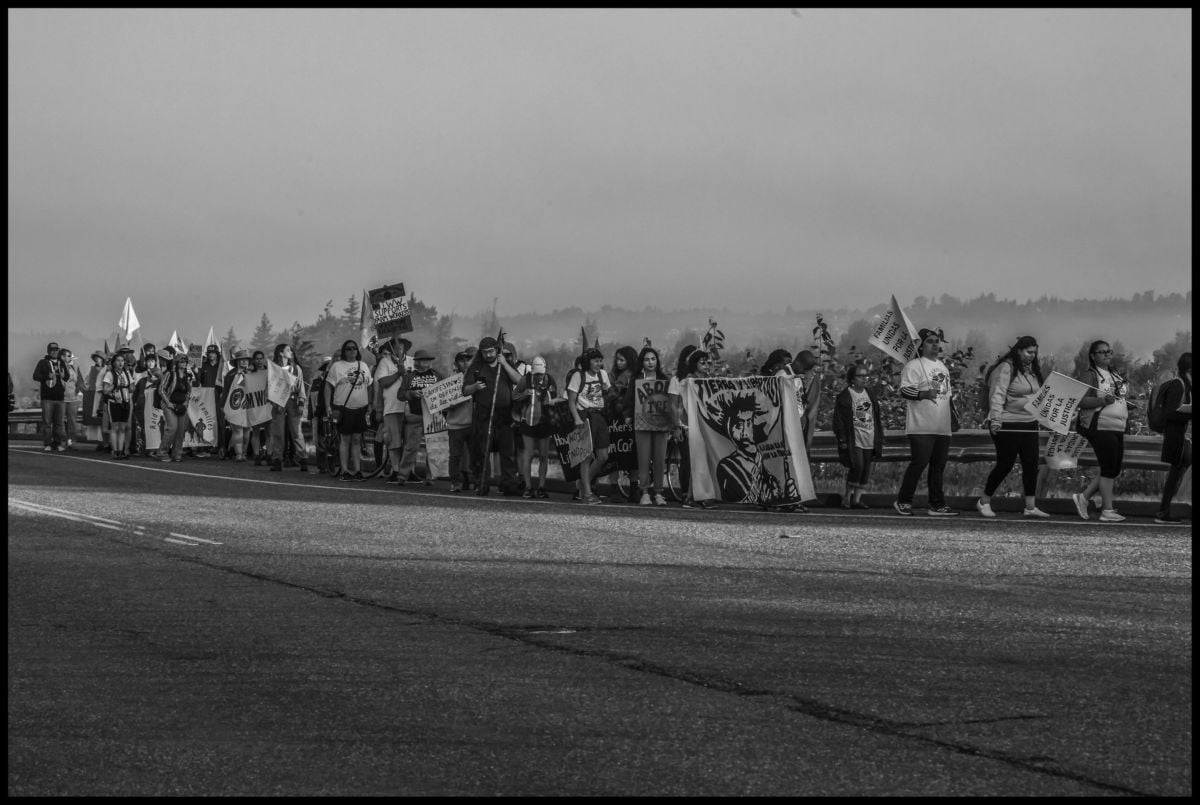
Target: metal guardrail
{"type": "Point", "coordinates": [967, 446]}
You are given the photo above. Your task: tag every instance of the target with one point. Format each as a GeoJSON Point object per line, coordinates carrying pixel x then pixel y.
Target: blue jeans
{"type": "Point", "coordinates": [929, 451]}
{"type": "Point", "coordinates": [53, 431]}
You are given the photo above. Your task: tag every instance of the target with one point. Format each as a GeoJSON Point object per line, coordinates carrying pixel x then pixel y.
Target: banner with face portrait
{"type": "Point", "coordinates": [746, 441]}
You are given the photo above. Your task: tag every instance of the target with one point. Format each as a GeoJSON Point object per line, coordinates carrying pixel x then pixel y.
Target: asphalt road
{"type": "Point", "coordinates": [208, 628]}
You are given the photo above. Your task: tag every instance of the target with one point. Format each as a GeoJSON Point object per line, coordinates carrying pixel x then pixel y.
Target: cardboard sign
{"type": "Point", "coordinates": [651, 405]}
{"type": "Point", "coordinates": [1057, 401]}
{"type": "Point", "coordinates": [389, 309]}
{"type": "Point", "coordinates": [579, 444]}
{"type": "Point", "coordinates": [444, 393]}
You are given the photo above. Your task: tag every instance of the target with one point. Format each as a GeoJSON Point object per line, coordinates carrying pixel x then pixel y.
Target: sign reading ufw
{"type": "Point", "coordinates": [389, 309]}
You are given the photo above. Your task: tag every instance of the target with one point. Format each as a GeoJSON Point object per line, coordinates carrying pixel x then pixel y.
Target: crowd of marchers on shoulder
{"type": "Point", "coordinates": [510, 410]}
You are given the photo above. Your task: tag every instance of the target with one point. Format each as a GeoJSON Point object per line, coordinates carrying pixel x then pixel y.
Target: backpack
{"type": "Point", "coordinates": [1156, 413]}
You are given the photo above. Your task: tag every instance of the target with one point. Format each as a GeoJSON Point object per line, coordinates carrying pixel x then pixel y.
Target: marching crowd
{"type": "Point", "coordinates": [512, 408]}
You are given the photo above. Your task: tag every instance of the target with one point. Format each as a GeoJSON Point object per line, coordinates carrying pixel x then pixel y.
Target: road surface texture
{"type": "Point", "coordinates": [206, 628]}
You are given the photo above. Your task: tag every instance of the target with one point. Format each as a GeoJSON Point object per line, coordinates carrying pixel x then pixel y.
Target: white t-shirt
{"type": "Point", "coordinates": [864, 419]}
{"type": "Point", "coordinates": [928, 417]}
{"type": "Point", "coordinates": [347, 375]}
{"type": "Point", "coordinates": [392, 404]}
{"type": "Point", "coordinates": [590, 389]}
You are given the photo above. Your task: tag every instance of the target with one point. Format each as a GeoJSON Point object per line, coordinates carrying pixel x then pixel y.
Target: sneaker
{"type": "Point", "coordinates": [61, 449]}
{"type": "Point", "coordinates": [1036, 512]}
{"type": "Point", "coordinates": [527, 494]}
{"type": "Point", "coordinates": [592, 499]}
{"type": "Point", "coordinates": [903, 508]}
{"type": "Point", "coordinates": [862, 504]}
{"type": "Point", "coordinates": [541, 494]}
{"type": "Point", "coordinates": [984, 508]}
{"type": "Point", "coordinates": [659, 500]}
{"type": "Point", "coordinates": [394, 478]}
{"type": "Point", "coordinates": [358, 476]}
{"type": "Point", "coordinates": [347, 476]}
{"type": "Point", "coordinates": [47, 449]}
{"type": "Point", "coordinates": [177, 460]}
{"type": "Point", "coordinates": [455, 488]}
{"type": "Point", "coordinates": [164, 458]}
{"type": "Point", "coordinates": [1110, 516]}
{"type": "Point", "coordinates": [1165, 518]}
{"type": "Point", "coordinates": [706, 504]}
{"type": "Point", "coordinates": [645, 501]}
{"type": "Point", "coordinates": [942, 511]}
{"type": "Point", "coordinates": [1081, 505]}
{"type": "Point", "coordinates": [427, 482]}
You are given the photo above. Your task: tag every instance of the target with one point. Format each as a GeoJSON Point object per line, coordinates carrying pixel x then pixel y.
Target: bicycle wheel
{"type": "Point", "coordinates": [675, 482]}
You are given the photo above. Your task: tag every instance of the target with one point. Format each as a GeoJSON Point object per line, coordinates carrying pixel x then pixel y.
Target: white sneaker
{"type": "Point", "coordinates": [1035, 512]}
{"type": "Point", "coordinates": [645, 501]}
{"type": "Point", "coordinates": [659, 500]}
{"type": "Point", "coordinates": [1110, 516]}
{"type": "Point", "coordinates": [1081, 505]}
{"type": "Point", "coordinates": [984, 508]}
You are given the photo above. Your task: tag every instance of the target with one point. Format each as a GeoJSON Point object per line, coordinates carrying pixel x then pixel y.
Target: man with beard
{"type": "Point", "coordinates": [489, 382]}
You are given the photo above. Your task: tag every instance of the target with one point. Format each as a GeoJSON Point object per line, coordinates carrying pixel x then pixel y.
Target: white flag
{"type": "Point", "coordinates": [895, 334]}
{"type": "Point", "coordinates": [129, 319]}
{"type": "Point", "coordinates": [211, 341]}
{"type": "Point", "coordinates": [177, 342]}
{"type": "Point", "coordinates": [1057, 401]}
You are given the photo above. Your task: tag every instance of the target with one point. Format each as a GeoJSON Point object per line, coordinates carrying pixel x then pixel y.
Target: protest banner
{"type": "Point", "coordinates": [247, 404]}
{"type": "Point", "coordinates": [445, 393]}
{"type": "Point", "coordinates": [280, 383]}
{"type": "Point", "coordinates": [1057, 402]}
{"type": "Point", "coordinates": [201, 418]}
{"type": "Point", "coordinates": [437, 454]}
{"type": "Point", "coordinates": [651, 405]}
{"type": "Point", "coordinates": [559, 442]}
{"type": "Point", "coordinates": [622, 447]}
{"type": "Point", "coordinates": [431, 421]}
{"type": "Point", "coordinates": [579, 444]}
{"type": "Point", "coordinates": [746, 441]}
{"type": "Point", "coordinates": [895, 334]}
{"type": "Point", "coordinates": [152, 421]}
{"type": "Point", "coordinates": [389, 309]}
{"type": "Point", "coordinates": [1062, 450]}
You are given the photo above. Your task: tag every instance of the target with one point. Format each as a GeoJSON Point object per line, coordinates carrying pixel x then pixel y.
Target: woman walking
{"type": "Point", "coordinates": [1177, 443]}
{"type": "Point", "coordinates": [238, 434]}
{"type": "Point", "coordinates": [535, 391]}
{"type": "Point", "coordinates": [858, 427]}
{"type": "Point", "coordinates": [285, 422]}
{"type": "Point", "coordinates": [925, 385]}
{"type": "Point", "coordinates": [1103, 414]}
{"type": "Point", "coordinates": [1013, 381]}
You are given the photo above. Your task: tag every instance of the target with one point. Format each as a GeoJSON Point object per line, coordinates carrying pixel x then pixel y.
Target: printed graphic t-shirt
{"type": "Point", "coordinates": [347, 375]}
{"type": "Point", "coordinates": [864, 420]}
{"type": "Point", "coordinates": [590, 389]}
{"type": "Point", "coordinates": [928, 417]}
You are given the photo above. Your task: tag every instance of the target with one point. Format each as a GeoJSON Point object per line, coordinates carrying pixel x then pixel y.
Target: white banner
{"type": "Point", "coordinates": [1062, 450]}
{"type": "Point", "coordinates": [895, 334]}
{"type": "Point", "coordinates": [202, 418]}
{"type": "Point", "coordinates": [746, 441]}
{"type": "Point", "coordinates": [1057, 401]}
{"type": "Point", "coordinates": [247, 404]}
{"type": "Point", "coordinates": [152, 421]}
{"type": "Point", "coordinates": [444, 393]}
{"type": "Point", "coordinates": [280, 384]}
{"type": "Point", "coordinates": [431, 421]}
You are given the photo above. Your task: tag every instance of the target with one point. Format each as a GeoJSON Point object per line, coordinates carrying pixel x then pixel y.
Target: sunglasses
{"type": "Point", "coordinates": [1103, 352]}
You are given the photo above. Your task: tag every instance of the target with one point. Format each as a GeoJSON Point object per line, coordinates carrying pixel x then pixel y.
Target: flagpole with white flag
{"type": "Point", "coordinates": [129, 320]}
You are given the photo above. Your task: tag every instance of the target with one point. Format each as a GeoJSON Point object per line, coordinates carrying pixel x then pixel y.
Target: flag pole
{"type": "Point", "coordinates": [487, 444]}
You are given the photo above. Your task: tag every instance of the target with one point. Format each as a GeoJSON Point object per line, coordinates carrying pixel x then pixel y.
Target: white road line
{"type": "Point", "coordinates": [180, 542]}
{"type": "Point", "coordinates": [196, 539]}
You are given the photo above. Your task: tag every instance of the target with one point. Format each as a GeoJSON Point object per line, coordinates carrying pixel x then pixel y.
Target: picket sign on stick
{"type": "Point", "coordinates": [895, 334]}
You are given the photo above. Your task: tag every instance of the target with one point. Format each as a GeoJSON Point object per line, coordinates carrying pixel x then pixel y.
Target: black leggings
{"type": "Point", "coordinates": [1015, 439]}
{"type": "Point", "coordinates": [1109, 447]}
{"type": "Point", "coordinates": [1175, 475]}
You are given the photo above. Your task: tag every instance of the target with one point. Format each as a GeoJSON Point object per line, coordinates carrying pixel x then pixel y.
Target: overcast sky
{"type": "Point", "coordinates": [213, 165]}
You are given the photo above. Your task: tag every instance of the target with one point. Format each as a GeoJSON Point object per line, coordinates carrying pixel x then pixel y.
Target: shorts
{"type": "Point", "coordinates": [595, 418]}
{"type": "Point", "coordinates": [541, 430]}
{"type": "Point", "coordinates": [118, 412]}
{"type": "Point", "coordinates": [352, 420]}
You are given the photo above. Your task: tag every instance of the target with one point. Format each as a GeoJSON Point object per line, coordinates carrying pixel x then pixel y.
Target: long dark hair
{"type": "Point", "coordinates": [631, 360]}
{"type": "Point", "coordinates": [681, 370]}
{"type": "Point", "coordinates": [640, 367]}
{"type": "Point", "coordinates": [279, 348]}
{"type": "Point", "coordinates": [775, 361]}
{"type": "Point", "coordinates": [1013, 356]}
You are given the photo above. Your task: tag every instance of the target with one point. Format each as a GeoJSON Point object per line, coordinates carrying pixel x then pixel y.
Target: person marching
{"type": "Point", "coordinates": [489, 380]}
{"type": "Point", "coordinates": [238, 434]}
{"type": "Point", "coordinates": [347, 399]}
{"type": "Point", "coordinates": [117, 388]}
{"type": "Point", "coordinates": [285, 422]}
{"type": "Point", "coordinates": [1013, 381]}
{"type": "Point", "coordinates": [535, 392]}
{"type": "Point", "coordinates": [210, 375]}
{"type": "Point", "coordinates": [1103, 414]}
{"type": "Point", "coordinates": [925, 385]}
{"type": "Point", "coordinates": [585, 394]}
{"type": "Point", "coordinates": [48, 373]}
{"type": "Point", "coordinates": [458, 432]}
{"type": "Point", "coordinates": [1177, 441]}
{"type": "Point", "coordinates": [73, 385]}
{"type": "Point", "coordinates": [422, 376]}
{"type": "Point", "coordinates": [858, 428]}
{"type": "Point", "coordinates": [651, 445]}
{"type": "Point", "coordinates": [389, 377]}
{"type": "Point", "coordinates": [174, 389]}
